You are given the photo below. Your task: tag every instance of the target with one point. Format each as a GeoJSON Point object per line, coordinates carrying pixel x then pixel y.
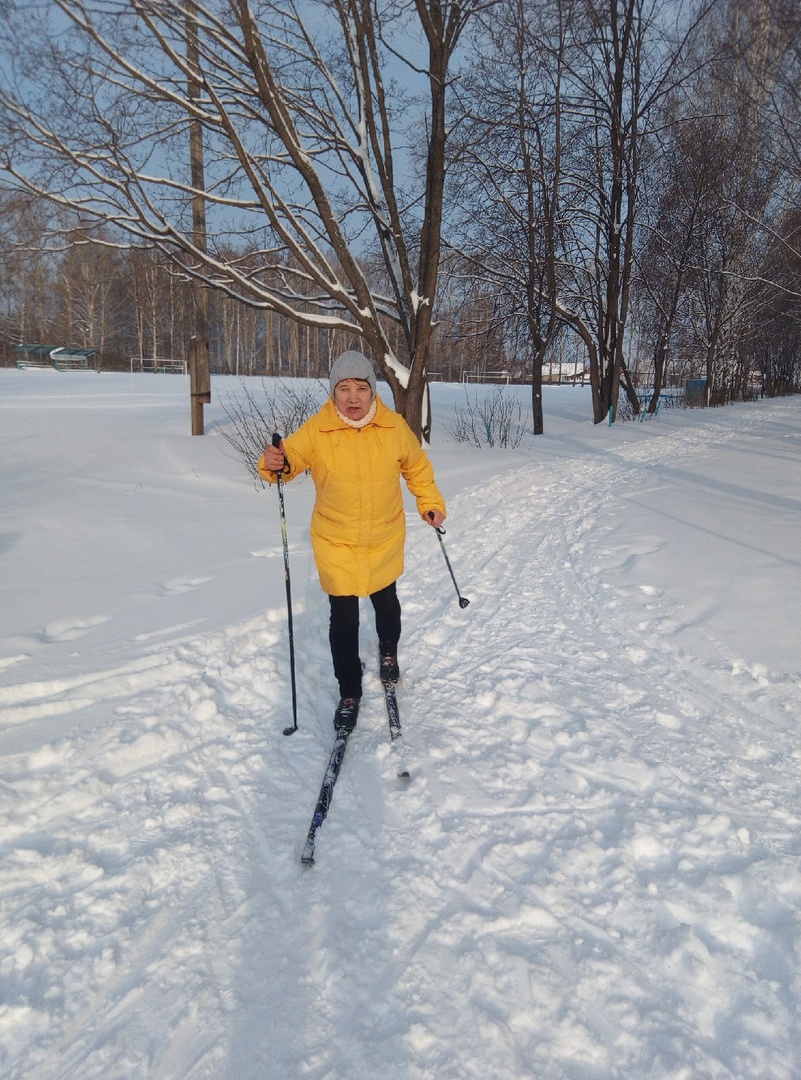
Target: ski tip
{"type": "Point", "coordinates": [307, 860]}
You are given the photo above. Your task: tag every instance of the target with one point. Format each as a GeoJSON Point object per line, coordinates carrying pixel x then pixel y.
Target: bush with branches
{"type": "Point", "coordinates": [282, 407]}
{"type": "Point", "coordinates": [492, 420]}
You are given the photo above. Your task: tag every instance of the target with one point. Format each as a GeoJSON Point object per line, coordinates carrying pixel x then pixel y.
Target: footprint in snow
{"type": "Point", "coordinates": [7, 661]}
{"type": "Point", "coordinates": [70, 629]}
{"type": "Point", "coordinates": [267, 553]}
{"type": "Point", "coordinates": [183, 585]}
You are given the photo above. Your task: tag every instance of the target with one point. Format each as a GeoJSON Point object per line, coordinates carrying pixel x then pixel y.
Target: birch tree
{"type": "Point", "coordinates": [630, 56]}
{"type": "Point", "coordinates": [324, 126]}
{"type": "Point", "coordinates": [508, 175]}
{"type": "Point", "coordinates": [746, 197]}
{"type": "Point", "coordinates": [676, 185]}
{"type": "Point", "coordinates": [25, 274]}
{"type": "Point", "coordinates": [564, 122]}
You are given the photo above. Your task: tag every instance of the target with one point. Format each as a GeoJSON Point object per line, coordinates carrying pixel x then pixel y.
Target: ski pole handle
{"type": "Point", "coordinates": [277, 445]}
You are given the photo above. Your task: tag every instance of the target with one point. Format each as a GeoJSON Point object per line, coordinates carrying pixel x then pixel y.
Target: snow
{"type": "Point", "coordinates": [594, 872]}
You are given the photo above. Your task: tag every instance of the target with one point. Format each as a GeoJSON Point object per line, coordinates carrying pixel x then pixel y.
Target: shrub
{"type": "Point", "coordinates": [282, 407]}
{"type": "Point", "coordinates": [491, 420]}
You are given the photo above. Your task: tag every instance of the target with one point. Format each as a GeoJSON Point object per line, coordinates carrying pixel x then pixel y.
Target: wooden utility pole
{"type": "Point", "coordinates": [199, 372]}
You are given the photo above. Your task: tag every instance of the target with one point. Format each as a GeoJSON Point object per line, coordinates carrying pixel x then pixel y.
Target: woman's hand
{"type": "Point", "coordinates": [434, 518]}
{"type": "Point", "coordinates": [274, 458]}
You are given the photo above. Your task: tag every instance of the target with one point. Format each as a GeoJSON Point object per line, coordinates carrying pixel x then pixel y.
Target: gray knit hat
{"type": "Point", "coordinates": [352, 365]}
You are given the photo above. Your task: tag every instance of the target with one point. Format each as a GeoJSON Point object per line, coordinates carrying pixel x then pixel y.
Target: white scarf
{"type": "Point", "coordinates": [365, 420]}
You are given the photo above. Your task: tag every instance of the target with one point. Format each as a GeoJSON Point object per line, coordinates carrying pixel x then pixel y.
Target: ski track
{"type": "Point", "coordinates": [594, 873]}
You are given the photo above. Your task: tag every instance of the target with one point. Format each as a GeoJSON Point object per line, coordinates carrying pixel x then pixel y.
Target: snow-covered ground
{"type": "Point", "coordinates": [594, 872]}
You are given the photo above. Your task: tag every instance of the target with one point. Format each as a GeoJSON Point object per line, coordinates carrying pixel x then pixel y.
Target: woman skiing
{"type": "Point", "coordinates": [357, 450]}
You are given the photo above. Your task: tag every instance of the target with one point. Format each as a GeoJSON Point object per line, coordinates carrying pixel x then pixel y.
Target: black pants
{"type": "Point", "coordinates": [343, 634]}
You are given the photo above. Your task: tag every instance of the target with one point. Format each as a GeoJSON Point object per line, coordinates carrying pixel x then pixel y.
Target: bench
{"type": "Point", "coordinates": [55, 357]}
{"type": "Point", "coordinates": [70, 360]}
{"type": "Point", "coordinates": [24, 363]}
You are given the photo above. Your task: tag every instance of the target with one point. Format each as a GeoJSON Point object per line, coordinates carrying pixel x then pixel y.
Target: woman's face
{"type": "Point", "coordinates": [353, 398]}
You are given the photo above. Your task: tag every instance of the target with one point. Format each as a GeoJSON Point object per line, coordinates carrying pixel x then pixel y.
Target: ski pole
{"type": "Point", "coordinates": [287, 730]}
{"type": "Point", "coordinates": [463, 601]}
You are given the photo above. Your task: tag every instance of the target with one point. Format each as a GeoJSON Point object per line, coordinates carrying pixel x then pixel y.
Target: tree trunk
{"type": "Point", "coordinates": [200, 375]}
{"type": "Point", "coordinates": [536, 396]}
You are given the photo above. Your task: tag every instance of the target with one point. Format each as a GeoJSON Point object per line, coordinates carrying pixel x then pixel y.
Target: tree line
{"type": "Point", "coordinates": [134, 304]}
{"type": "Point", "coordinates": [603, 187]}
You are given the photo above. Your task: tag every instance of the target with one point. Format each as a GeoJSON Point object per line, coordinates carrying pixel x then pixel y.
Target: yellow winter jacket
{"type": "Point", "coordinates": [358, 527]}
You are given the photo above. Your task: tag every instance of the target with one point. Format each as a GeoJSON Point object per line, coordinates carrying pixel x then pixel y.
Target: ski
{"type": "Point", "coordinates": [395, 733]}
{"type": "Point", "coordinates": [325, 796]}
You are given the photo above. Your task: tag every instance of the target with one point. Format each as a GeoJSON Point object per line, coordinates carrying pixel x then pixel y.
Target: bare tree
{"type": "Point", "coordinates": [89, 299]}
{"type": "Point", "coordinates": [631, 56]}
{"type": "Point", "coordinates": [780, 81]}
{"type": "Point", "coordinates": [324, 131]}
{"type": "Point", "coordinates": [159, 304]}
{"type": "Point", "coordinates": [558, 126]}
{"type": "Point", "coordinates": [715, 273]}
{"type": "Point", "coordinates": [26, 272]}
{"type": "Point", "coordinates": [676, 182]}
{"type": "Point", "coordinates": [508, 176]}
{"type": "Point", "coordinates": [470, 338]}
{"type": "Point", "coordinates": [740, 151]}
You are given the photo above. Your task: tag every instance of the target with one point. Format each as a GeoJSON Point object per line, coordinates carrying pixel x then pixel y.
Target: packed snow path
{"type": "Point", "coordinates": [593, 873]}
